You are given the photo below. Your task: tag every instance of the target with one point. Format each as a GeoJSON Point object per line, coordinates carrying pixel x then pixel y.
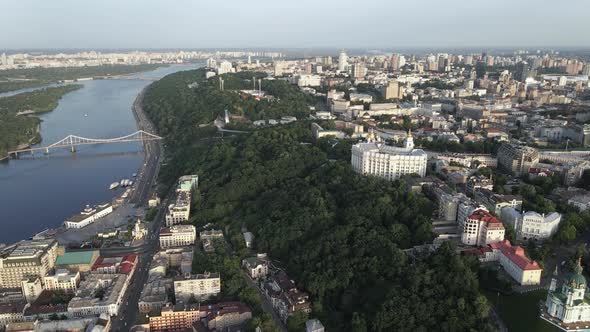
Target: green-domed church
{"type": "Point", "coordinates": [568, 307]}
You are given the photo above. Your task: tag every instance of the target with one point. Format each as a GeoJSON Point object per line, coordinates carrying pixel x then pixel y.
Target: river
{"type": "Point", "coordinates": [39, 192]}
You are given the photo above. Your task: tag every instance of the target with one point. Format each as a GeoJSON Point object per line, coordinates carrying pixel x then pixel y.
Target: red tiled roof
{"type": "Point", "coordinates": [485, 216]}
{"type": "Point", "coordinates": [516, 255]}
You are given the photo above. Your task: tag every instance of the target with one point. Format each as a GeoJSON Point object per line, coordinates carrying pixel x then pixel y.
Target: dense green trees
{"type": "Point", "coordinates": [339, 235]}
{"type": "Point", "coordinates": [18, 129]}
{"type": "Point", "coordinates": [15, 79]}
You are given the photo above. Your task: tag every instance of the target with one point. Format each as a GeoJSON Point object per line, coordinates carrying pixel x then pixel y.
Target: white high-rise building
{"type": "Point", "coordinates": [211, 63]}
{"type": "Point", "coordinates": [225, 67]}
{"type": "Point", "coordinates": [342, 62]}
{"type": "Point", "coordinates": [389, 162]}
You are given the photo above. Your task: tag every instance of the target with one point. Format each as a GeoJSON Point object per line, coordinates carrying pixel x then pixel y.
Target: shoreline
{"type": "Point", "coordinates": [148, 172]}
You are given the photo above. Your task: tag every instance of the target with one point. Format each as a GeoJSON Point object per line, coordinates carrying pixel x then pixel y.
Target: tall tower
{"type": "Point", "coordinates": [409, 142]}
{"type": "Point", "coordinates": [342, 61]}
{"type": "Point", "coordinates": [553, 285]}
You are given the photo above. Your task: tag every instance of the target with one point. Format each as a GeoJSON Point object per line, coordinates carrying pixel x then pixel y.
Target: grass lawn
{"type": "Point", "coordinates": [520, 312]}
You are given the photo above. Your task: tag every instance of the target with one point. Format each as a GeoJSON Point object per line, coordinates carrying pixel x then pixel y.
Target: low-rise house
{"type": "Point", "coordinates": [514, 261]}
{"type": "Point", "coordinates": [495, 202]}
{"type": "Point", "coordinates": [119, 264]}
{"type": "Point", "coordinates": [581, 202]}
{"type": "Point", "coordinates": [257, 267]}
{"type": "Point", "coordinates": [284, 296]}
{"type": "Point", "coordinates": [226, 315]}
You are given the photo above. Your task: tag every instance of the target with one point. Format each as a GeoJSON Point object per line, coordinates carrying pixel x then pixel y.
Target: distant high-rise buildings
{"type": "Point", "coordinates": [358, 71]}
{"type": "Point", "coordinates": [394, 62]}
{"type": "Point", "coordinates": [522, 71]}
{"type": "Point", "coordinates": [342, 62]}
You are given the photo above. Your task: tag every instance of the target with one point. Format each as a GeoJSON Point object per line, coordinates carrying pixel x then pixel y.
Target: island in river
{"type": "Point", "coordinates": [15, 79]}
{"type": "Point", "coordinates": [19, 124]}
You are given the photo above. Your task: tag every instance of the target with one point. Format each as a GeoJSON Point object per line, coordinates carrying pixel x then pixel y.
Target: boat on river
{"type": "Point", "coordinates": [114, 185]}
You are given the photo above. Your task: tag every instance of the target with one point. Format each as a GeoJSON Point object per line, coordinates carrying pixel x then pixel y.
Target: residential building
{"type": "Point", "coordinates": [25, 259]}
{"type": "Point", "coordinates": [199, 286]}
{"type": "Point", "coordinates": [175, 318]}
{"type": "Point", "coordinates": [517, 159]}
{"type": "Point", "coordinates": [257, 267]}
{"type": "Point", "coordinates": [226, 315]}
{"type": "Point", "coordinates": [209, 237]}
{"type": "Point", "coordinates": [111, 288]}
{"type": "Point", "coordinates": [392, 90]}
{"type": "Point", "coordinates": [568, 307]}
{"type": "Point", "coordinates": [496, 202]}
{"type": "Point", "coordinates": [88, 215]}
{"type": "Point", "coordinates": [32, 287]}
{"type": "Point", "coordinates": [389, 162]}
{"type": "Point", "coordinates": [12, 313]}
{"type": "Point", "coordinates": [482, 229]}
{"type": "Point", "coordinates": [224, 68]}
{"type": "Point", "coordinates": [154, 294]}
{"type": "Point", "coordinates": [63, 280]}
{"type": "Point", "coordinates": [117, 264]}
{"type": "Point", "coordinates": [178, 236]}
{"type": "Point", "coordinates": [284, 296]}
{"type": "Point", "coordinates": [513, 260]}
{"type": "Point", "coordinates": [581, 202]}
{"type": "Point", "coordinates": [179, 211]}
{"type": "Point", "coordinates": [342, 62]}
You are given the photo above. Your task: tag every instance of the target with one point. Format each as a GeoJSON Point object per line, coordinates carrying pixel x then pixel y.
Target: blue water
{"type": "Point", "coordinates": [39, 192]}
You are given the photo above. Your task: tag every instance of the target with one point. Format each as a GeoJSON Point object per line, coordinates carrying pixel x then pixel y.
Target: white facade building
{"type": "Point", "coordinates": [88, 215]}
{"type": "Point", "coordinates": [179, 211]}
{"type": "Point", "coordinates": [538, 226]}
{"type": "Point", "coordinates": [62, 280]}
{"type": "Point", "coordinates": [342, 62]}
{"type": "Point", "coordinates": [514, 261]}
{"type": "Point", "coordinates": [177, 236]}
{"type": "Point", "coordinates": [389, 162]}
{"type": "Point", "coordinates": [200, 286]}
{"type": "Point", "coordinates": [482, 228]}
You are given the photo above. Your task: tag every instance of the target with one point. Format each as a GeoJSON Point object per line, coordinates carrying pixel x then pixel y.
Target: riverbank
{"type": "Point", "coordinates": [18, 129]}
{"type": "Point", "coordinates": [15, 79]}
{"type": "Point", "coordinates": [148, 172]}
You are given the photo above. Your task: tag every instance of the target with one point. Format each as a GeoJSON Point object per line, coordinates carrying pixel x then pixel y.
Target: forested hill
{"type": "Point", "coordinates": [339, 235]}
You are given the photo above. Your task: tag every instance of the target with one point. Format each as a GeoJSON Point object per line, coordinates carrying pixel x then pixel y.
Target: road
{"type": "Point", "coordinates": [146, 180]}
{"type": "Point", "coordinates": [266, 305]}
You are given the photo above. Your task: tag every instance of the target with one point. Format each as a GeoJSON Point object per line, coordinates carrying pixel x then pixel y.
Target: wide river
{"type": "Point", "coordinates": [39, 192]}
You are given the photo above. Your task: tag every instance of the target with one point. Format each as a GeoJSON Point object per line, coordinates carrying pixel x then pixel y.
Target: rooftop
{"type": "Point", "coordinates": [516, 255]}
{"type": "Point", "coordinates": [76, 257]}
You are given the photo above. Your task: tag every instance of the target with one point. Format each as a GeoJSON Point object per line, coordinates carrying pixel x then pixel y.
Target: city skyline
{"type": "Point", "coordinates": [305, 24]}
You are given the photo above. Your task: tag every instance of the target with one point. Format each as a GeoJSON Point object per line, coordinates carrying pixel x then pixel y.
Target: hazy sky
{"type": "Point", "coordinates": [292, 23]}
